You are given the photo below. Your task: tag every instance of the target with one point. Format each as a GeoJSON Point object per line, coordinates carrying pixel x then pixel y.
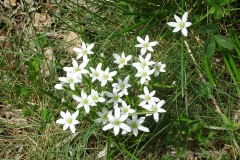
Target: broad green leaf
{"type": "Point", "coordinates": [225, 2]}
{"type": "Point", "coordinates": [209, 47]}
{"type": "Point", "coordinates": [223, 41]}
{"type": "Point", "coordinates": [26, 111]}
{"type": "Point", "coordinates": [213, 2]}
{"type": "Point", "coordinates": [209, 28]}
{"type": "Point", "coordinates": [218, 12]}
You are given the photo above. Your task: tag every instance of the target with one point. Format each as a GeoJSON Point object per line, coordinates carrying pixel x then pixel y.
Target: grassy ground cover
{"type": "Point", "coordinates": [201, 85]}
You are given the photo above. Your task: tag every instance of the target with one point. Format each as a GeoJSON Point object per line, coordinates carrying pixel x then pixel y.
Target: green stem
{"type": "Point", "coordinates": [234, 67]}
{"type": "Point", "coordinates": [182, 65]}
{"type": "Point", "coordinates": [231, 72]}
{"type": "Point", "coordinates": [208, 70]}
{"type": "Point", "coordinates": [108, 145]}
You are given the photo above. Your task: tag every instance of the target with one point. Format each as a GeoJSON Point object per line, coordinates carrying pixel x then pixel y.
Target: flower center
{"type": "Point", "coordinates": [85, 101]}
{"type": "Point", "coordinates": [105, 117]}
{"type": "Point", "coordinates": [105, 76]}
{"type": "Point", "coordinates": [96, 74]}
{"type": "Point", "coordinates": [125, 110]}
{"type": "Point", "coordinates": [116, 122]}
{"type": "Point", "coordinates": [84, 51]}
{"type": "Point", "coordinates": [115, 97]}
{"type": "Point", "coordinates": [157, 68]}
{"type": "Point", "coordinates": [181, 24]}
{"type": "Point", "coordinates": [77, 69]}
{"type": "Point", "coordinates": [70, 80]}
{"type": "Point", "coordinates": [144, 64]}
{"type": "Point", "coordinates": [122, 86]}
{"type": "Point", "coordinates": [145, 45]}
{"type": "Point", "coordinates": [134, 125]}
{"type": "Point", "coordinates": [69, 121]}
{"type": "Point", "coordinates": [144, 74]}
{"type": "Point", "coordinates": [95, 98]}
{"type": "Point", "coordinates": [154, 108]}
{"type": "Point", "coordinates": [122, 61]}
{"type": "Point", "coordinates": [148, 98]}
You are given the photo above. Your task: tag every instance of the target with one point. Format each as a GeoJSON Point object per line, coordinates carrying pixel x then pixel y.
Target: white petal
{"type": "Point", "coordinates": [176, 29]}
{"type": "Point", "coordinates": [76, 98]}
{"type": "Point", "coordinates": [108, 126]}
{"type": "Point", "coordinates": [77, 50]}
{"type": "Point", "coordinates": [156, 117]}
{"type": "Point", "coordinates": [187, 24]}
{"type": "Point", "coordinates": [72, 86]}
{"type": "Point", "coordinates": [135, 132]}
{"type": "Point", "coordinates": [72, 127]}
{"type": "Point", "coordinates": [172, 24]}
{"type": "Point", "coordinates": [142, 128]}
{"type": "Point", "coordinates": [161, 103]}
{"type": "Point", "coordinates": [87, 108]}
{"type": "Point", "coordinates": [90, 46]}
{"type": "Point", "coordinates": [184, 31]}
{"type": "Point", "coordinates": [74, 115]}
{"type": "Point", "coordinates": [116, 130]}
{"type": "Point", "coordinates": [177, 19]}
{"type": "Point", "coordinates": [63, 79]}
{"type": "Point", "coordinates": [58, 86]}
{"type": "Point", "coordinates": [65, 126]}
{"type": "Point", "coordinates": [74, 63]}
{"type": "Point", "coordinates": [140, 40]}
{"type": "Point", "coordinates": [61, 121]}
{"type": "Point", "coordinates": [147, 39]}
{"type": "Point", "coordinates": [116, 56]}
{"type": "Point", "coordinates": [153, 43]}
{"type": "Point", "coordinates": [143, 51]}
{"type": "Point", "coordinates": [146, 92]}
{"type": "Point", "coordinates": [184, 18]}
{"type": "Point", "coordinates": [125, 127]}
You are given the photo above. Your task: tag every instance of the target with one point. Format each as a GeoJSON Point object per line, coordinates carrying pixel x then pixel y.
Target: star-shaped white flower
{"type": "Point", "coordinates": [144, 73]}
{"type": "Point", "coordinates": [84, 100]}
{"type": "Point", "coordinates": [135, 124]}
{"type": "Point", "coordinates": [143, 62]}
{"type": "Point", "coordinates": [121, 60]}
{"type": "Point", "coordinates": [68, 120]}
{"type": "Point", "coordinates": [156, 108]}
{"type": "Point", "coordinates": [145, 44]}
{"type": "Point", "coordinates": [115, 97]}
{"type": "Point", "coordinates": [95, 73]}
{"type": "Point", "coordinates": [125, 109]}
{"type": "Point", "coordinates": [103, 116]}
{"type": "Point", "coordinates": [148, 97]}
{"type": "Point", "coordinates": [159, 67]}
{"type": "Point", "coordinates": [116, 122]}
{"type": "Point", "coordinates": [95, 96]}
{"type": "Point", "coordinates": [71, 79]}
{"type": "Point", "coordinates": [84, 51]}
{"type": "Point", "coordinates": [122, 85]}
{"type": "Point", "coordinates": [80, 69]}
{"type": "Point", "coordinates": [106, 76]}
{"type": "Point", "coordinates": [180, 24]}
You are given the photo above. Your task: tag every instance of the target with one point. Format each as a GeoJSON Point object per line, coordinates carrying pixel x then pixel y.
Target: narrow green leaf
{"type": "Point", "coordinates": [209, 47]}
{"type": "Point", "coordinates": [209, 28]}
{"type": "Point", "coordinates": [226, 120]}
{"type": "Point", "coordinates": [218, 128]}
{"type": "Point", "coordinates": [129, 29]}
{"type": "Point", "coordinates": [223, 41]}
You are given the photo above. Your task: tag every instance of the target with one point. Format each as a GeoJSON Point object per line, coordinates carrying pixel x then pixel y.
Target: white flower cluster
{"type": "Point", "coordinates": [119, 112]}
